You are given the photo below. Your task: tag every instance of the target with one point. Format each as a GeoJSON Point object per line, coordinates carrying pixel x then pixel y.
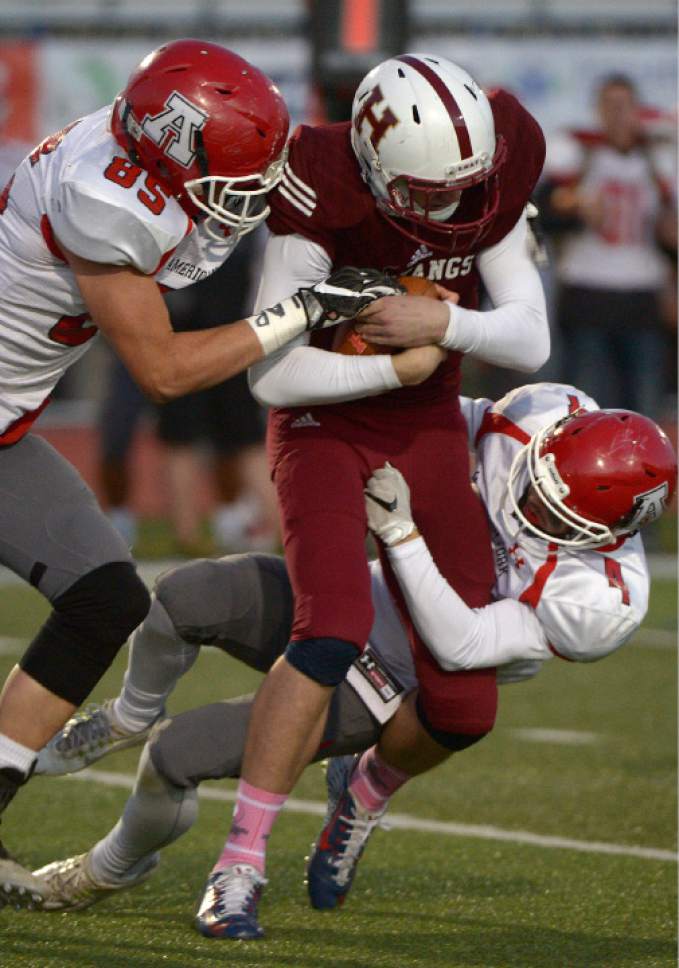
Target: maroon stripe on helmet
{"type": "Point", "coordinates": [449, 102]}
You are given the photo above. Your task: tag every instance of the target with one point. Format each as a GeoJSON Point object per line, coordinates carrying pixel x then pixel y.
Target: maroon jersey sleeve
{"type": "Point", "coordinates": [321, 192]}
{"type": "Point", "coordinates": [525, 159]}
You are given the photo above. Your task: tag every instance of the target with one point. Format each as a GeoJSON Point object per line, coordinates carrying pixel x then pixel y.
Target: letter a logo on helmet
{"type": "Point", "coordinates": [174, 129]}
{"type": "Point", "coordinates": [210, 127]}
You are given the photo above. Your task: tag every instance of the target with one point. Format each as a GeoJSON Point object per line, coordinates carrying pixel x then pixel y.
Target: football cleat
{"type": "Point", "coordinates": [229, 905]}
{"type": "Point", "coordinates": [336, 853]}
{"type": "Point", "coordinates": [69, 885]}
{"type": "Point", "coordinates": [337, 770]}
{"type": "Point", "coordinates": [18, 887]}
{"type": "Point", "coordinates": [87, 737]}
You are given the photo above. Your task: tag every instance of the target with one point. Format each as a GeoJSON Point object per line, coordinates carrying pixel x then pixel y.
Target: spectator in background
{"type": "Point", "coordinates": [226, 418]}
{"type": "Point", "coordinates": [121, 408]}
{"type": "Point", "coordinates": [606, 194]}
{"type": "Point", "coordinates": [229, 420]}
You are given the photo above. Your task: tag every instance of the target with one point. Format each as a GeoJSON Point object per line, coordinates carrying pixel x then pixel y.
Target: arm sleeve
{"type": "Point", "coordinates": [460, 637]}
{"type": "Point", "coordinates": [516, 332]}
{"type": "Point", "coordinates": [299, 374]}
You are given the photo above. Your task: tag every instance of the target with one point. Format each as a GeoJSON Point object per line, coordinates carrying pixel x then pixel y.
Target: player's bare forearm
{"type": "Point", "coordinates": [405, 320]}
{"type": "Point", "coordinates": [203, 358]}
{"type": "Point", "coordinates": [417, 364]}
{"type": "Point", "coordinates": [128, 308]}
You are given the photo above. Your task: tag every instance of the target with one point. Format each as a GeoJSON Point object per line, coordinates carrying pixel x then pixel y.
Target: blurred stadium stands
{"type": "Point", "coordinates": [271, 16]}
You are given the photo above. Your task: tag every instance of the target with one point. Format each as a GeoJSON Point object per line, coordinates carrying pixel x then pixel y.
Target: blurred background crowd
{"type": "Point", "coordinates": [599, 75]}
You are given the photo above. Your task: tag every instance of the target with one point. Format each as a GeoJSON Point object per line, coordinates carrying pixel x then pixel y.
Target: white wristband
{"type": "Point", "coordinates": [448, 341]}
{"type": "Point", "coordinates": [279, 324]}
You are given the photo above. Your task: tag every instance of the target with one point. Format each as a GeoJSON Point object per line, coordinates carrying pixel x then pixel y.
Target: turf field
{"type": "Point", "coordinates": [554, 845]}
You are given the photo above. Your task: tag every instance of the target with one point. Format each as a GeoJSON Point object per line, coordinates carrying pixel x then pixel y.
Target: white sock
{"type": "Point", "coordinates": [15, 755]}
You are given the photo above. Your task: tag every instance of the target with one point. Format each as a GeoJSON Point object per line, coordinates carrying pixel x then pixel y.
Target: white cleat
{"type": "Point", "coordinates": [69, 885]}
{"type": "Point", "coordinates": [229, 905]}
{"type": "Point", "coordinates": [87, 737]}
{"type": "Point", "coordinates": [18, 887]}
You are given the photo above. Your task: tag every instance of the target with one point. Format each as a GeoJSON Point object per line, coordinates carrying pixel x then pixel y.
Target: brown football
{"type": "Point", "coordinates": [351, 343]}
{"type": "Point", "coordinates": [418, 286]}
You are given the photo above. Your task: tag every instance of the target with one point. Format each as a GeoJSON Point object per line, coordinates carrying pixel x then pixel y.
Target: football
{"type": "Point", "coordinates": [418, 286]}
{"type": "Point", "coordinates": [351, 343]}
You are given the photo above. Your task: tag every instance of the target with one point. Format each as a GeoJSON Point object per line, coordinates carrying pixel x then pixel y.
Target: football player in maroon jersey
{"type": "Point", "coordinates": [431, 177]}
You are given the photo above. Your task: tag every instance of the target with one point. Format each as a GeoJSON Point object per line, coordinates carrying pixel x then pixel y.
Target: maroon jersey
{"type": "Point", "coordinates": [324, 198]}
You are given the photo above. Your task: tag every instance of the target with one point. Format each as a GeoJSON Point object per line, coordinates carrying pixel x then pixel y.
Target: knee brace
{"type": "Point", "coordinates": [326, 661]}
{"type": "Point", "coordinates": [91, 621]}
{"type": "Point", "coordinates": [448, 740]}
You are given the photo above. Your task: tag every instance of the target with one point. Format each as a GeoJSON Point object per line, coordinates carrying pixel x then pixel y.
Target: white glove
{"type": "Point", "coordinates": [387, 504]}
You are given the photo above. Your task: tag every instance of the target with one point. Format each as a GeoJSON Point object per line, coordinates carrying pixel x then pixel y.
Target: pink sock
{"type": "Point", "coordinates": [253, 818]}
{"type": "Point", "coordinates": [373, 781]}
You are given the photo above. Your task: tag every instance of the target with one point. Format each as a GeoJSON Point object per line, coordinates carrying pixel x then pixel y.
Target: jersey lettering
{"type": "Point", "coordinates": [174, 129]}
{"type": "Point", "coordinates": [378, 125]}
{"type": "Point", "coordinates": [440, 269]}
{"type": "Point", "coordinates": [622, 218]}
{"type": "Point", "coordinates": [615, 579]}
{"type": "Point", "coordinates": [73, 330]}
{"type": "Point", "coordinates": [154, 196]}
{"type": "Point", "coordinates": [50, 144]}
{"type": "Point", "coordinates": [124, 173]}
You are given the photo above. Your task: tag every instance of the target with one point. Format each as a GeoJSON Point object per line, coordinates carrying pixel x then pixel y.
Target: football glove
{"type": "Point", "coordinates": [387, 504]}
{"type": "Point", "coordinates": [344, 294]}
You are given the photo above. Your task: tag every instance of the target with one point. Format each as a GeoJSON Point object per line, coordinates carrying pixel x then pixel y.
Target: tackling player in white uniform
{"type": "Point", "coordinates": [571, 581]}
{"type": "Point", "coordinates": [151, 192]}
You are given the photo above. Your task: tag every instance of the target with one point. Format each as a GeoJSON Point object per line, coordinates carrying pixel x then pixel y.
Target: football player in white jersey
{"type": "Point", "coordinates": [149, 193]}
{"type": "Point", "coordinates": [565, 485]}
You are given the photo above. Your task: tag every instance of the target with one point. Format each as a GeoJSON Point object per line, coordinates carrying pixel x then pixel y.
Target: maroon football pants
{"type": "Point", "coordinates": [320, 468]}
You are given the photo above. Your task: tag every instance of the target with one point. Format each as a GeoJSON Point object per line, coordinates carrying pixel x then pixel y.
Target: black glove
{"type": "Point", "coordinates": [344, 294]}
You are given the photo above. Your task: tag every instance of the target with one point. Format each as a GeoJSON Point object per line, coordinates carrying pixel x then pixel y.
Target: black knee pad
{"type": "Point", "coordinates": [449, 741]}
{"type": "Point", "coordinates": [91, 621]}
{"type": "Point", "coordinates": [324, 660]}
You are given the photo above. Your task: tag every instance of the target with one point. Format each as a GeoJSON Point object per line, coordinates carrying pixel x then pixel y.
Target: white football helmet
{"type": "Point", "coordinates": [423, 132]}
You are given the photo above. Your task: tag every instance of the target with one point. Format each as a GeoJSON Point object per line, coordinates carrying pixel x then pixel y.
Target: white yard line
{"type": "Point", "coordinates": [10, 645]}
{"type": "Point", "coordinates": [560, 737]}
{"type": "Point", "coordinates": [403, 821]}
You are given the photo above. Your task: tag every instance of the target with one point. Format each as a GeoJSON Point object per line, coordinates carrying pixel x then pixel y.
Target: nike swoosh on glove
{"type": "Point", "coordinates": [344, 294]}
{"type": "Point", "coordinates": [387, 505]}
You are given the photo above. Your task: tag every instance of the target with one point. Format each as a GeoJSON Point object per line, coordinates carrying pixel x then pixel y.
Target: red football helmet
{"type": "Point", "coordinates": [424, 135]}
{"type": "Point", "coordinates": [210, 127]}
{"type": "Point", "coordinates": [604, 473]}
